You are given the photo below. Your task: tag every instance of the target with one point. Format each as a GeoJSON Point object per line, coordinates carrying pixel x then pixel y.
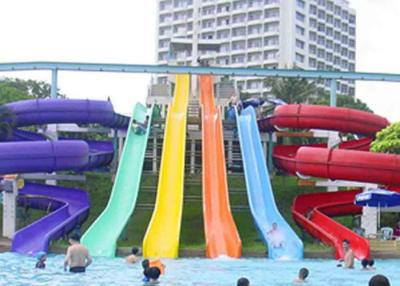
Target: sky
{"type": "Point", "coordinates": [123, 31]}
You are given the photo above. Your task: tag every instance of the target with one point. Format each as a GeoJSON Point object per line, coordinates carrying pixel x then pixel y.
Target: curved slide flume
{"type": "Point", "coordinates": [101, 238]}
{"type": "Point", "coordinates": [347, 162]}
{"type": "Point", "coordinates": [47, 156]}
{"type": "Point", "coordinates": [162, 235]}
{"type": "Point", "coordinates": [286, 245]}
{"type": "Point", "coordinates": [313, 212]}
{"type": "Point", "coordinates": [222, 237]}
{"type": "Point", "coordinates": [73, 210]}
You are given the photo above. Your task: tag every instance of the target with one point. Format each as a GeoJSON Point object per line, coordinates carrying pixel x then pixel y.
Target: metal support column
{"type": "Point", "coordinates": [270, 149]}
{"type": "Point", "coordinates": [54, 83]}
{"type": "Point", "coordinates": [230, 155]}
{"type": "Point", "coordinates": [10, 191]}
{"type": "Point", "coordinates": [333, 92]}
{"type": "Point", "coordinates": [154, 152]}
{"type": "Point", "coordinates": [192, 156]}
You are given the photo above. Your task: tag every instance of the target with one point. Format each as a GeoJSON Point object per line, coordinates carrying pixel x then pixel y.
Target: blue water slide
{"type": "Point", "coordinates": [281, 240]}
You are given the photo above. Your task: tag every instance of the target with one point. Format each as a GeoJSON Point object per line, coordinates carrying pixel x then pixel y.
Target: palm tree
{"type": "Point", "coordinates": [293, 90]}
{"type": "Point", "coordinates": [7, 122]}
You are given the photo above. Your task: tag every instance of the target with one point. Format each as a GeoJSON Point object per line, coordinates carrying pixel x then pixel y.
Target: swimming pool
{"type": "Point", "coordinates": [19, 270]}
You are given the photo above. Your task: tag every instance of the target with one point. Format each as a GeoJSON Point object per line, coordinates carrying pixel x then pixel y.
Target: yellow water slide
{"type": "Point", "coordinates": [162, 235]}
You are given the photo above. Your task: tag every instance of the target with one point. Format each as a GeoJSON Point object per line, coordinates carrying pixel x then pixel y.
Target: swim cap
{"type": "Point", "coordinates": [40, 254]}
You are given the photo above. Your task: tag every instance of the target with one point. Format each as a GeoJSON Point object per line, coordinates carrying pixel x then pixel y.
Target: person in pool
{"type": "Point", "coordinates": [133, 258]}
{"type": "Point", "coordinates": [153, 274]}
{"type": "Point", "coordinates": [348, 255]}
{"type": "Point", "coordinates": [243, 282]}
{"type": "Point", "coordinates": [276, 236]}
{"type": "Point", "coordinates": [303, 274]}
{"type": "Point", "coordinates": [379, 280]}
{"type": "Point", "coordinates": [77, 257]}
{"type": "Point", "coordinates": [41, 257]}
{"type": "Point", "coordinates": [367, 264]}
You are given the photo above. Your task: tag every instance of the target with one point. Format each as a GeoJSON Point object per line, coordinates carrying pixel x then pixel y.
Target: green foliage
{"type": "Point", "coordinates": [388, 140]}
{"type": "Point", "coordinates": [292, 90]}
{"type": "Point", "coordinates": [17, 89]}
{"type": "Point", "coordinates": [341, 101]}
{"type": "Point", "coordinates": [6, 122]}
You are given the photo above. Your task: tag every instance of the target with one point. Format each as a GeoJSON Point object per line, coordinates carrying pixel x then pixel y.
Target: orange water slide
{"type": "Point", "coordinates": [222, 237]}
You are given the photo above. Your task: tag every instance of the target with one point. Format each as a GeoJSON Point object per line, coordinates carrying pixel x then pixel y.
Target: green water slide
{"type": "Point", "coordinates": [101, 237]}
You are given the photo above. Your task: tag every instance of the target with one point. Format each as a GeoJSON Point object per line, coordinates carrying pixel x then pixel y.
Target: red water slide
{"type": "Point", "coordinates": [349, 162]}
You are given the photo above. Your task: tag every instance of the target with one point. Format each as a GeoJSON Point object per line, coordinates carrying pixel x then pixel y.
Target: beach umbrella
{"type": "Point", "coordinates": [378, 198]}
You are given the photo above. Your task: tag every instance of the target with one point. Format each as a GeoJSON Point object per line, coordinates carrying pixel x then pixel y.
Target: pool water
{"type": "Point", "coordinates": [19, 270]}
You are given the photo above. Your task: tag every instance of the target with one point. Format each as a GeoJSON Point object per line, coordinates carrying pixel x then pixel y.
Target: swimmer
{"type": "Point", "coordinates": [379, 280]}
{"type": "Point", "coordinates": [367, 264]}
{"type": "Point", "coordinates": [41, 257]}
{"type": "Point", "coordinates": [348, 255]}
{"type": "Point", "coordinates": [243, 282]}
{"type": "Point", "coordinates": [145, 265]}
{"type": "Point", "coordinates": [133, 258]}
{"type": "Point", "coordinates": [303, 274]}
{"type": "Point", "coordinates": [152, 273]}
{"type": "Point", "coordinates": [77, 257]}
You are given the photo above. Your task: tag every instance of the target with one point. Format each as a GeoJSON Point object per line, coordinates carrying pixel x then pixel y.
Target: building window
{"type": "Point", "coordinates": [299, 44]}
{"type": "Point", "coordinates": [223, 34]}
{"type": "Point", "coordinates": [299, 58]}
{"type": "Point", "coordinates": [271, 41]}
{"type": "Point", "coordinates": [271, 27]}
{"type": "Point", "coordinates": [337, 23]}
{"type": "Point", "coordinates": [313, 23]}
{"type": "Point", "coordinates": [301, 4]}
{"type": "Point", "coordinates": [256, 15]}
{"type": "Point", "coordinates": [313, 36]}
{"type": "Point", "coordinates": [352, 43]}
{"type": "Point", "coordinates": [256, 29]}
{"type": "Point", "coordinates": [313, 10]}
{"type": "Point", "coordinates": [237, 32]}
{"type": "Point", "coordinates": [239, 45]}
{"type": "Point", "coordinates": [321, 40]}
{"type": "Point", "coordinates": [271, 13]}
{"type": "Point", "coordinates": [240, 18]}
{"type": "Point", "coordinates": [300, 30]}
{"type": "Point", "coordinates": [312, 62]}
{"type": "Point", "coordinates": [254, 57]}
{"type": "Point", "coordinates": [238, 59]}
{"type": "Point", "coordinates": [270, 55]}
{"type": "Point", "coordinates": [300, 17]}
{"type": "Point", "coordinates": [352, 19]}
{"type": "Point", "coordinates": [352, 31]}
{"type": "Point", "coordinates": [329, 32]}
{"type": "Point", "coordinates": [321, 54]}
{"type": "Point", "coordinates": [312, 49]}
{"type": "Point", "coordinates": [254, 43]}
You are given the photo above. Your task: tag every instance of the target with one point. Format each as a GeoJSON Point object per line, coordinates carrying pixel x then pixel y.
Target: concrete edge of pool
{"type": "Point", "coordinates": [5, 246]}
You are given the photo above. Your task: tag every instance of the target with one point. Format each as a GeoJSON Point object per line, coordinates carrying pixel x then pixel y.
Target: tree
{"type": "Point", "coordinates": [387, 140]}
{"type": "Point", "coordinates": [341, 101]}
{"type": "Point", "coordinates": [6, 122]}
{"type": "Point", "coordinates": [292, 90]}
{"type": "Point", "coordinates": [18, 89]}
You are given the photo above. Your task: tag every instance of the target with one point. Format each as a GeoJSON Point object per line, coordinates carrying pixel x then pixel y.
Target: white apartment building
{"type": "Point", "coordinates": [309, 34]}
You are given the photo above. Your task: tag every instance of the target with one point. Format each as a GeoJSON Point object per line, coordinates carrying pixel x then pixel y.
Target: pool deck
{"type": "Point", "coordinates": [379, 249]}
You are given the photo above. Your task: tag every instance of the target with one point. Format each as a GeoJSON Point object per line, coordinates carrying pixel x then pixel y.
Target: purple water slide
{"type": "Point", "coordinates": [70, 206]}
{"type": "Point", "coordinates": [48, 111]}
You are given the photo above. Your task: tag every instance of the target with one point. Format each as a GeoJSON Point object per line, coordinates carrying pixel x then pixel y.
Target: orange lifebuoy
{"type": "Point", "coordinates": [157, 263]}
